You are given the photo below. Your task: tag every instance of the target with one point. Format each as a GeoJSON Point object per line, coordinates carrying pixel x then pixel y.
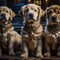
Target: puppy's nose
{"type": "Point", "coordinates": [53, 18]}
{"type": "Point", "coordinates": [31, 16]}
{"type": "Point", "coordinates": [3, 16]}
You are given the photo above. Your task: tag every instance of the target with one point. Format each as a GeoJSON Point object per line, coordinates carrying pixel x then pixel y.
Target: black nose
{"type": "Point", "coordinates": [3, 16]}
{"type": "Point", "coordinates": [53, 18]}
{"type": "Point", "coordinates": [31, 16]}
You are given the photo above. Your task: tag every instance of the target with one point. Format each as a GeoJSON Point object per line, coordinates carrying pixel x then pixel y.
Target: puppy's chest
{"type": "Point", "coordinates": [53, 28]}
{"type": "Point", "coordinates": [31, 36]}
{"type": "Point", "coordinates": [31, 40]}
{"type": "Point", "coordinates": [5, 36]}
{"type": "Point", "coordinates": [53, 37]}
{"type": "Point", "coordinates": [5, 27]}
{"type": "Point", "coordinates": [3, 40]}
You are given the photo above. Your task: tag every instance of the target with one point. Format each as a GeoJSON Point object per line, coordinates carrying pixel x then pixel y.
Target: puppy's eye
{"type": "Point", "coordinates": [49, 12]}
{"type": "Point", "coordinates": [35, 10]}
{"type": "Point", "coordinates": [26, 10]}
{"type": "Point", "coordinates": [6, 11]}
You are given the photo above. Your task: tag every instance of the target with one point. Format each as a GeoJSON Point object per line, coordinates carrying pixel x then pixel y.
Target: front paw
{"type": "Point", "coordinates": [58, 54]}
{"type": "Point", "coordinates": [25, 55]}
{"type": "Point", "coordinates": [39, 55]}
{"type": "Point", "coordinates": [47, 54]}
{"type": "Point", "coordinates": [11, 53]}
{"type": "Point", "coordinates": [0, 53]}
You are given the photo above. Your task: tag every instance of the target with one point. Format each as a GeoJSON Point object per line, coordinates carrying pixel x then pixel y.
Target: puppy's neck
{"type": "Point", "coordinates": [6, 27]}
{"type": "Point", "coordinates": [29, 28]}
{"type": "Point", "coordinates": [53, 28]}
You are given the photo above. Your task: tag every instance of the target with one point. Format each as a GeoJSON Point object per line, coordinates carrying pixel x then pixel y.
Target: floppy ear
{"type": "Point", "coordinates": [40, 13]}
{"type": "Point", "coordinates": [21, 12]}
{"type": "Point", "coordinates": [12, 14]}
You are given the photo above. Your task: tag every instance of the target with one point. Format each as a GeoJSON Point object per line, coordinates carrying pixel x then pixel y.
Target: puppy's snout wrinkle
{"type": "Point", "coordinates": [31, 16]}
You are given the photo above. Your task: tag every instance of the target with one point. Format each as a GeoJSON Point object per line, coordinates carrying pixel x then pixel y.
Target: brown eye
{"type": "Point", "coordinates": [26, 10]}
{"type": "Point", "coordinates": [49, 12]}
{"type": "Point", "coordinates": [6, 11]}
{"type": "Point", "coordinates": [35, 10]}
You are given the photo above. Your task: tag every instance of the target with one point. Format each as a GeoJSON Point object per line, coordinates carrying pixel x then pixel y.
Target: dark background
{"type": "Point", "coordinates": [43, 3]}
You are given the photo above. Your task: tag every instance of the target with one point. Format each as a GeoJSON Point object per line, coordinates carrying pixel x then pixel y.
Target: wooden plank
{"type": "Point", "coordinates": [30, 58]}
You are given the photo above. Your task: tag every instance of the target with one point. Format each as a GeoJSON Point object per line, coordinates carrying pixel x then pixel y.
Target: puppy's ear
{"type": "Point", "coordinates": [12, 14]}
{"type": "Point", "coordinates": [21, 12]}
{"type": "Point", "coordinates": [41, 12]}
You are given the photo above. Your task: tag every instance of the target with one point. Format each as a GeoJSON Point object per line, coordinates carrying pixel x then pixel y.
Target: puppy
{"type": "Point", "coordinates": [7, 33]}
{"type": "Point", "coordinates": [52, 30]}
{"type": "Point", "coordinates": [32, 32]}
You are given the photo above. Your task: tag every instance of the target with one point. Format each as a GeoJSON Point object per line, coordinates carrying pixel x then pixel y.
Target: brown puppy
{"type": "Point", "coordinates": [7, 33]}
{"type": "Point", "coordinates": [52, 30]}
{"type": "Point", "coordinates": [32, 31]}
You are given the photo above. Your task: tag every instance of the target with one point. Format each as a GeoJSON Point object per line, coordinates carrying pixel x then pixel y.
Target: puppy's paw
{"type": "Point", "coordinates": [11, 53]}
{"type": "Point", "coordinates": [39, 55]}
{"type": "Point", "coordinates": [47, 54]}
{"type": "Point", "coordinates": [58, 54]}
{"type": "Point", "coordinates": [0, 53]}
{"type": "Point", "coordinates": [25, 55]}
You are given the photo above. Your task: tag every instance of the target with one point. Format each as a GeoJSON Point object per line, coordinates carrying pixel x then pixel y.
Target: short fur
{"type": "Point", "coordinates": [33, 30]}
{"type": "Point", "coordinates": [7, 33]}
{"type": "Point", "coordinates": [52, 30]}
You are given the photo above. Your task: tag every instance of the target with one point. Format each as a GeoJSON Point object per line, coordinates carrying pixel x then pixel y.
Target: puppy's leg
{"type": "Point", "coordinates": [58, 53]}
{"type": "Point", "coordinates": [47, 50]}
{"type": "Point", "coordinates": [0, 51]}
{"type": "Point", "coordinates": [0, 48]}
{"type": "Point", "coordinates": [11, 46]}
{"type": "Point", "coordinates": [39, 49]}
{"type": "Point", "coordinates": [58, 49]}
{"type": "Point", "coordinates": [25, 51]}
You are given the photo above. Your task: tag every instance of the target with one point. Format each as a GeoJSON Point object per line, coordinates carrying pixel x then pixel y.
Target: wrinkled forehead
{"type": "Point", "coordinates": [4, 9]}
{"type": "Point", "coordinates": [54, 9]}
{"type": "Point", "coordinates": [32, 6]}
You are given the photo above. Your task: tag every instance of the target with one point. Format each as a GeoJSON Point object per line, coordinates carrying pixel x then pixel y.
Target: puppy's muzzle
{"type": "Point", "coordinates": [2, 16]}
{"type": "Point", "coordinates": [30, 16]}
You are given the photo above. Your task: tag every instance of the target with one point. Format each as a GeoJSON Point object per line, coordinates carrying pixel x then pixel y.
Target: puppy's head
{"type": "Point", "coordinates": [53, 14]}
{"type": "Point", "coordinates": [31, 13]}
{"type": "Point", "coordinates": [6, 14]}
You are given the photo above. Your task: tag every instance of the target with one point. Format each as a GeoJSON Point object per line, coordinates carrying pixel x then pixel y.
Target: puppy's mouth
{"type": "Point", "coordinates": [53, 23]}
{"type": "Point", "coordinates": [30, 21]}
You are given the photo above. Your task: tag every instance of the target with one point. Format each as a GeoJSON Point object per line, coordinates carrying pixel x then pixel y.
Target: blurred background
{"type": "Point", "coordinates": [43, 3]}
